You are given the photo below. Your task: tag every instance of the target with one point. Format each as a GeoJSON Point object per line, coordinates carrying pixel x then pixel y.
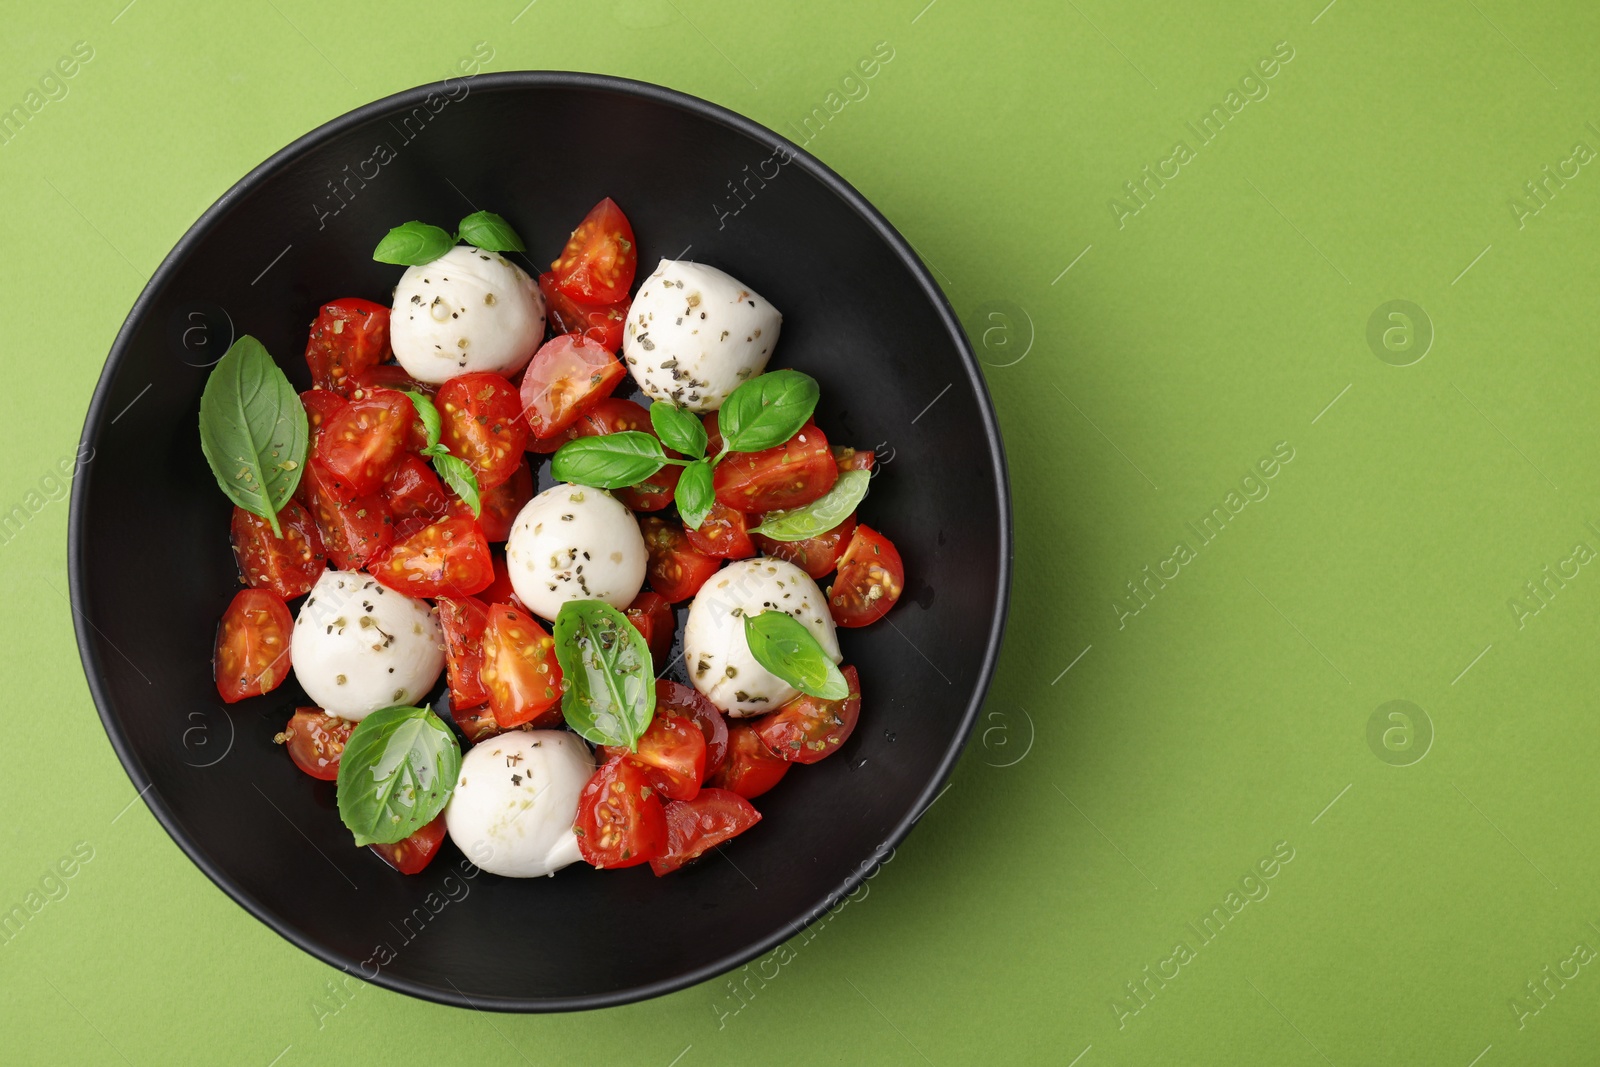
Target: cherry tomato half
{"type": "Point", "coordinates": [348, 336]}
{"type": "Point", "coordinates": [693, 826]}
{"type": "Point", "coordinates": [789, 476]}
{"type": "Point", "coordinates": [853, 459]}
{"type": "Point", "coordinates": [479, 414]}
{"type": "Point", "coordinates": [687, 702]}
{"type": "Point", "coordinates": [361, 443]}
{"type": "Point", "coordinates": [501, 505]}
{"type": "Point", "coordinates": [252, 653]}
{"type": "Point", "coordinates": [476, 723]}
{"type": "Point", "coordinates": [818, 555]}
{"type": "Point", "coordinates": [287, 565]}
{"type": "Point", "coordinates": [808, 728]}
{"type": "Point", "coordinates": [316, 741]}
{"type": "Point", "coordinates": [410, 855]}
{"type": "Point", "coordinates": [448, 558]}
{"type": "Point", "coordinates": [620, 819]}
{"type": "Point", "coordinates": [520, 669]}
{"type": "Point", "coordinates": [673, 752]}
{"type": "Point", "coordinates": [319, 404]}
{"type": "Point", "coordinates": [601, 323]}
{"type": "Point", "coordinates": [676, 570]}
{"type": "Point", "coordinates": [613, 415]}
{"type": "Point", "coordinates": [723, 533]}
{"type": "Point", "coordinates": [567, 377]}
{"type": "Point", "coordinates": [871, 578]}
{"type": "Point", "coordinates": [413, 491]}
{"type": "Point", "coordinates": [387, 376]}
{"type": "Point", "coordinates": [352, 532]}
{"type": "Point", "coordinates": [463, 620]}
{"type": "Point", "coordinates": [651, 615]}
{"type": "Point", "coordinates": [751, 769]}
{"type": "Point", "coordinates": [600, 259]}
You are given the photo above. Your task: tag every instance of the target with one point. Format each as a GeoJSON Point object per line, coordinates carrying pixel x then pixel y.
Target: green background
{"type": "Point", "coordinates": [1102, 808]}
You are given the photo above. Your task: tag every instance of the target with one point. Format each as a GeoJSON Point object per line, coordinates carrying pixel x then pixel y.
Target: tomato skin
{"type": "Point", "coordinates": [410, 855]}
{"type": "Point", "coordinates": [352, 532]}
{"type": "Point", "coordinates": [252, 651]}
{"type": "Point", "coordinates": [567, 377]}
{"type": "Point", "coordinates": [347, 336]}
{"type": "Point", "coordinates": [601, 323]}
{"type": "Point", "coordinates": [693, 826]}
{"type": "Point", "coordinates": [788, 476]}
{"type": "Point", "coordinates": [620, 822]}
{"type": "Point", "coordinates": [853, 459]}
{"type": "Point", "coordinates": [501, 591]}
{"type": "Point", "coordinates": [520, 669]}
{"type": "Point", "coordinates": [287, 565]}
{"type": "Point", "coordinates": [447, 558]}
{"type": "Point", "coordinates": [651, 615]}
{"type": "Point", "coordinates": [818, 555]}
{"type": "Point", "coordinates": [871, 578]}
{"type": "Point", "coordinates": [676, 570]}
{"type": "Point", "coordinates": [463, 620]}
{"type": "Point", "coordinates": [413, 491]}
{"type": "Point", "coordinates": [361, 444]}
{"type": "Point", "coordinates": [320, 404]}
{"type": "Point", "coordinates": [723, 533]}
{"type": "Point", "coordinates": [476, 723]}
{"type": "Point", "coordinates": [807, 728]}
{"type": "Point", "coordinates": [672, 751]}
{"type": "Point", "coordinates": [598, 264]}
{"type": "Point", "coordinates": [752, 769]}
{"type": "Point", "coordinates": [687, 702]}
{"type": "Point", "coordinates": [501, 505]}
{"type": "Point", "coordinates": [387, 376]}
{"type": "Point", "coordinates": [481, 425]}
{"type": "Point", "coordinates": [315, 741]}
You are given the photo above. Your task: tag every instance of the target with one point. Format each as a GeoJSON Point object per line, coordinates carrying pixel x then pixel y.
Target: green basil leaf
{"type": "Point", "coordinates": [427, 413]}
{"type": "Point", "coordinates": [490, 232]}
{"type": "Point", "coordinates": [678, 429]}
{"type": "Point", "coordinates": [413, 244]}
{"type": "Point", "coordinates": [767, 410]}
{"type": "Point", "coordinates": [253, 430]}
{"type": "Point", "coordinates": [458, 475]}
{"type": "Point", "coordinates": [611, 681]}
{"type": "Point", "coordinates": [819, 516]}
{"type": "Point", "coordinates": [782, 644]}
{"type": "Point", "coordinates": [398, 770]}
{"type": "Point", "coordinates": [609, 461]}
{"type": "Point", "coordinates": [695, 494]}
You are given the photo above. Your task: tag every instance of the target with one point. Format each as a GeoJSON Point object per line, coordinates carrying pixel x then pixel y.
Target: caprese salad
{"type": "Point", "coordinates": [394, 504]}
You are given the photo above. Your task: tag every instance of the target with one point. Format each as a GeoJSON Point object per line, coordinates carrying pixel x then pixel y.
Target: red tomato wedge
{"type": "Point", "coordinates": [475, 723]}
{"type": "Point", "coordinates": [252, 653]}
{"type": "Point", "coordinates": [723, 533]}
{"type": "Point", "coordinates": [676, 570]}
{"type": "Point", "coordinates": [501, 591]}
{"type": "Point", "coordinates": [601, 323]}
{"type": "Point", "coordinates": [347, 337]}
{"type": "Point", "coordinates": [361, 443]}
{"type": "Point", "coordinates": [853, 459]}
{"type": "Point", "coordinates": [287, 565]}
{"type": "Point", "coordinates": [693, 826]}
{"type": "Point", "coordinates": [789, 476]}
{"type": "Point", "coordinates": [871, 578]}
{"type": "Point", "coordinates": [410, 855]}
{"type": "Point", "coordinates": [651, 615]}
{"type": "Point", "coordinates": [600, 259]}
{"type": "Point", "coordinates": [447, 558]}
{"type": "Point", "coordinates": [319, 404]}
{"type": "Point", "coordinates": [612, 415]}
{"type": "Point", "coordinates": [315, 741]}
{"type": "Point", "coordinates": [751, 769]}
{"type": "Point", "coordinates": [620, 819]}
{"type": "Point", "coordinates": [673, 753]}
{"type": "Point", "coordinates": [520, 669]}
{"type": "Point", "coordinates": [686, 702]}
{"type": "Point", "coordinates": [501, 505]}
{"type": "Point", "coordinates": [463, 620]}
{"type": "Point", "coordinates": [566, 379]}
{"type": "Point", "coordinates": [413, 491]}
{"type": "Point", "coordinates": [352, 532]}
{"type": "Point", "coordinates": [808, 728]}
{"type": "Point", "coordinates": [818, 555]}
{"type": "Point", "coordinates": [480, 424]}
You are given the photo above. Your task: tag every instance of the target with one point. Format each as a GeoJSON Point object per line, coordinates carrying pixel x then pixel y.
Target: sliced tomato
{"type": "Point", "coordinates": [463, 620]}
{"type": "Point", "coordinates": [475, 723]}
{"type": "Point", "coordinates": [676, 570]}
{"type": "Point", "coordinates": [361, 444]}
{"type": "Point", "coordinates": [501, 591]}
{"type": "Point", "coordinates": [818, 555]}
{"type": "Point", "coordinates": [347, 337]}
{"type": "Point", "coordinates": [871, 578]}
{"type": "Point", "coordinates": [852, 459]}
{"type": "Point", "coordinates": [600, 259]}
{"type": "Point", "coordinates": [687, 702]}
{"type": "Point", "coordinates": [287, 565]}
{"type": "Point", "coordinates": [693, 826]}
{"type": "Point", "coordinates": [673, 752]}
{"type": "Point", "coordinates": [651, 615]}
{"type": "Point", "coordinates": [620, 819]}
{"type": "Point", "coordinates": [447, 558]}
{"type": "Point", "coordinates": [252, 653]}
{"type": "Point", "coordinates": [613, 415]}
{"type": "Point", "coordinates": [566, 379]}
{"type": "Point", "coordinates": [751, 768]}
{"type": "Point", "coordinates": [789, 476]}
{"type": "Point", "coordinates": [808, 728]}
{"type": "Point", "coordinates": [352, 532]}
{"type": "Point", "coordinates": [601, 323]}
{"type": "Point", "coordinates": [520, 669]}
{"type": "Point", "coordinates": [413, 491]}
{"type": "Point", "coordinates": [480, 424]}
{"type": "Point", "coordinates": [319, 404]}
{"type": "Point", "coordinates": [410, 855]}
{"type": "Point", "coordinates": [501, 505]}
{"type": "Point", "coordinates": [723, 533]}
{"type": "Point", "coordinates": [316, 741]}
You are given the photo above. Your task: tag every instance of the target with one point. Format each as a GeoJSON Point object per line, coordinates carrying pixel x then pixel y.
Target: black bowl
{"type": "Point", "coordinates": [152, 570]}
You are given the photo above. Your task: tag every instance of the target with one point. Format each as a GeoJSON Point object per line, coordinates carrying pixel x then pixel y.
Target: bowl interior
{"type": "Point", "coordinates": [152, 570]}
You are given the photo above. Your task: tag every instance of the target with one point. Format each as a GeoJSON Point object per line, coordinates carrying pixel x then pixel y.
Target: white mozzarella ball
{"type": "Point", "coordinates": [469, 310]}
{"type": "Point", "coordinates": [714, 648]}
{"type": "Point", "coordinates": [516, 800]}
{"type": "Point", "coordinates": [575, 543]}
{"type": "Point", "coordinates": [359, 646]}
{"type": "Point", "coordinates": [696, 334]}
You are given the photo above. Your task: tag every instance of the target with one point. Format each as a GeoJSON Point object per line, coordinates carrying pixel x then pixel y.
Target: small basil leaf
{"type": "Point", "coordinates": [610, 461]}
{"type": "Point", "coordinates": [817, 517]}
{"type": "Point", "coordinates": [767, 410]}
{"type": "Point", "coordinates": [398, 770]}
{"type": "Point", "coordinates": [678, 429]}
{"type": "Point", "coordinates": [253, 430]}
{"type": "Point", "coordinates": [458, 475]}
{"type": "Point", "coordinates": [610, 678]}
{"type": "Point", "coordinates": [490, 232]}
{"type": "Point", "coordinates": [782, 644]}
{"type": "Point", "coordinates": [695, 494]}
{"type": "Point", "coordinates": [413, 244]}
{"type": "Point", "coordinates": [427, 413]}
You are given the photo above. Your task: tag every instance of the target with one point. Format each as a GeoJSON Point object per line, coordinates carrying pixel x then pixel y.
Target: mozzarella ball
{"type": "Point", "coordinates": [714, 648]}
{"type": "Point", "coordinates": [696, 334]}
{"type": "Point", "coordinates": [469, 310]}
{"type": "Point", "coordinates": [358, 646]}
{"type": "Point", "coordinates": [575, 543]}
{"type": "Point", "coordinates": [516, 800]}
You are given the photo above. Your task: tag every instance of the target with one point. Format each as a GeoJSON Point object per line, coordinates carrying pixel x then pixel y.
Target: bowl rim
{"type": "Point", "coordinates": [94, 424]}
